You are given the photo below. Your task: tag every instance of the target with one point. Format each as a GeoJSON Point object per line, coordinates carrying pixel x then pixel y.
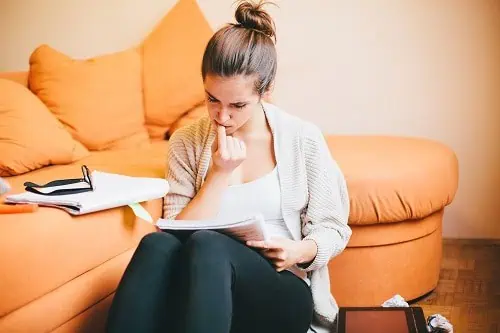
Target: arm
{"type": "Point", "coordinates": [206, 203]}
{"type": "Point", "coordinates": [180, 174]}
{"type": "Point", "coordinates": [182, 202]}
{"type": "Point", "coordinates": [327, 211]}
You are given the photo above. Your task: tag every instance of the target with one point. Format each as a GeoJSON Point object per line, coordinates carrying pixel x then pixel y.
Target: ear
{"type": "Point", "coordinates": [267, 95]}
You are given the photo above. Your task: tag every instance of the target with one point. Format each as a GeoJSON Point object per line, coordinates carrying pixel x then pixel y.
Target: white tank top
{"type": "Point", "coordinates": [261, 196]}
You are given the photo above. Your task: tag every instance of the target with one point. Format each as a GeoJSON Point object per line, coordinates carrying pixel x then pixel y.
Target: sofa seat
{"type": "Point", "coordinates": [47, 252]}
{"type": "Point", "coordinates": [399, 188]}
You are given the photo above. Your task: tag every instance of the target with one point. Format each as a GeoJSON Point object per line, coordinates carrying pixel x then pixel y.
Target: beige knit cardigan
{"type": "Point", "coordinates": [311, 183]}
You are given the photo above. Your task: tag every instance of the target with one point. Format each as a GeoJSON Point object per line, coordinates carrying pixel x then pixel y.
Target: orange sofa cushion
{"type": "Point", "coordinates": [189, 117]}
{"type": "Point", "coordinates": [19, 77]}
{"type": "Point", "coordinates": [393, 179]}
{"type": "Point", "coordinates": [172, 56]}
{"type": "Point", "coordinates": [99, 100]}
{"type": "Point", "coordinates": [30, 136]}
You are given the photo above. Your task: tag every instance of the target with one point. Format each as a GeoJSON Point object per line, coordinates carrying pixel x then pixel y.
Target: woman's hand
{"type": "Point", "coordinates": [284, 252]}
{"type": "Point", "coordinates": [227, 152]}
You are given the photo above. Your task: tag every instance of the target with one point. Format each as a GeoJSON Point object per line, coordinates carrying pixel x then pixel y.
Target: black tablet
{"type": "Point", "coordinates": [381, 320]}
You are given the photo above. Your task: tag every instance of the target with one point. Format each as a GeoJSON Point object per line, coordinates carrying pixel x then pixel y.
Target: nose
{"type": "Point", "coordinates": [223, 115]}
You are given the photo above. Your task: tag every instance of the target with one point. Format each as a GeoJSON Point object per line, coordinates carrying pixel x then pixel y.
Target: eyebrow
{"type": "Point", "coordinates": [235, 103]}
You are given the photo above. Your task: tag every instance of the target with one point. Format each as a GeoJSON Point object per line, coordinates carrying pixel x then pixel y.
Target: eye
{"type": "Point", "coordinates": [240, 106]}
{"type": "Point", "coordinates": [211, 99]}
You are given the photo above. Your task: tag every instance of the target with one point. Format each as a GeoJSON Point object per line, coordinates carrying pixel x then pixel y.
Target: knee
{"type": "Point", "coordinates": [159, 241]}
{"type": "Point", "coordinates": [206, 242]}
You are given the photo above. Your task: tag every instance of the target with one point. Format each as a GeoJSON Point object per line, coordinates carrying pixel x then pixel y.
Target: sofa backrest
{"type": "Point", "coordinates": [20, 77]}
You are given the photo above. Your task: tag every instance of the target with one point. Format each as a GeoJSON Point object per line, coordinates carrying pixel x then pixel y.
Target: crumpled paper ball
{"type": "Point", "coordinates": [396, 301]}
{"type": "Point", "coordinates": [439, 324]}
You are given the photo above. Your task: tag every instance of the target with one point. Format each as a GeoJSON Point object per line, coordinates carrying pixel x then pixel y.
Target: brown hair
{"type": "Point", "coordinates": [246, 47]}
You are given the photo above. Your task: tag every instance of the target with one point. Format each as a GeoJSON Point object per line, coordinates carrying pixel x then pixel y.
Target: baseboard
{"type": "Point", "coordinates": [471, 241]}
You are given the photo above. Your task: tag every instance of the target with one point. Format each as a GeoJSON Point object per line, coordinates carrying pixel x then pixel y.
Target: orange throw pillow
{"type": "Point", "coordinates": [188, 118]}
{"type": "Point", "coordinates": [172, 56]}
{"type": "Point", "coordinates": [99, 100]}
{"type": "Point", "coordinates": [30, 136]}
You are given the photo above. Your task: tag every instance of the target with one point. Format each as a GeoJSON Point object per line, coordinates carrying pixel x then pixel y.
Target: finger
{"type": "Point", "coordinates": [221, 138]}
{"type": "Point", "coordinates": [215, 143]}
{"type": "Point", "coordinates": [236, 148]}
{"type": "Point", "coordinates": [275, 255]}
{"type": "Point", "coordinates": [231, 146]}
{"type": "Point", "coordinates": [268, 245]}
{"type": "Point", "coordinates": [214, 146]}
{"type": "Point", "coordinates": [243, 148]}
{"type": "Point", "coordinates": [279, 266]}
{"type": "Point", "coordinates": [272, 245]}
{"type": "Point", "coordinates": [257, 244]}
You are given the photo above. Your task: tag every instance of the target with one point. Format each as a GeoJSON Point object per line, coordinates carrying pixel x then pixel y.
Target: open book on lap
{"type": "Point", "coordinates": [252, 228]}
{"type": "Point", "coordinates": [109, 191]}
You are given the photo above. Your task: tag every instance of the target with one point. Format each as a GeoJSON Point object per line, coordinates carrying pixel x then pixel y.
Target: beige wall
{"type": "Point", "coordinates": [423, 68]}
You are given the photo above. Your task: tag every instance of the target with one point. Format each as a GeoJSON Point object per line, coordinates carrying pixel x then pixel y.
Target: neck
{"type": "Point", "coordinates": [256, 125]}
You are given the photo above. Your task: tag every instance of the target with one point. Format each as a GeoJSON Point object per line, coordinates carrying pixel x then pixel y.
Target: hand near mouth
{"type": "Point", "coordinates": [228, 152]}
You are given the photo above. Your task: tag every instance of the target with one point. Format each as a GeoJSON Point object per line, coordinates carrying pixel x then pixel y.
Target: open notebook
{"type": "Point", "coordinates": [110, 191]}
{"type": "Point", "coordinates": [252, 228]}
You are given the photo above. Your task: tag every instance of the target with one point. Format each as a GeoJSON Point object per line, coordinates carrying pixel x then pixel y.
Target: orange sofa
{"type": "Point", "coordinates": [60, 272]}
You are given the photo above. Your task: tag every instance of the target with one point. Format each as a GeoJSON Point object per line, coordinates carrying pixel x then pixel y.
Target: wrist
{"type": "Point", "coordinates": [308, 251]}
{"type": "Point", "coordinates": [218, 176]}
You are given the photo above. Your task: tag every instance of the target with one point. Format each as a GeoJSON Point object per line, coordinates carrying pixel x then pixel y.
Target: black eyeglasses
{"type": "Point", "coordinates": [64, 186]}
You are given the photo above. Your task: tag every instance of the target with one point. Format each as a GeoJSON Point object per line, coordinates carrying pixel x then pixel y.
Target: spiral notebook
{"type": "Point", "coordinates": [109, 191]}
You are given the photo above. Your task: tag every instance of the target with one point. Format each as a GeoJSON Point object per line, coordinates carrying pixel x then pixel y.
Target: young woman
{"type": "Point", "coordinates": [247, 157]}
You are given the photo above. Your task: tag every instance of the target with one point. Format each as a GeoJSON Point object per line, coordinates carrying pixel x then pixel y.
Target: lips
{"type": "Point", "coordinates": [226, 126]}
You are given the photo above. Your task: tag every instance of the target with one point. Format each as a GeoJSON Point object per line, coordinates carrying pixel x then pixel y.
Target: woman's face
{"type": "Point", "coordinates": [231, 101]}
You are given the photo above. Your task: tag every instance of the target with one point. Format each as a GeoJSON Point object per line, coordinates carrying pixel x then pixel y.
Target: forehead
{"type": "Point", "coordinates": [231, 89]}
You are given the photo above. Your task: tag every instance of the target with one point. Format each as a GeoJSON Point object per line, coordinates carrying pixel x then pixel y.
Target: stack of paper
{"type": "Point", "coordinates": [252, 228]}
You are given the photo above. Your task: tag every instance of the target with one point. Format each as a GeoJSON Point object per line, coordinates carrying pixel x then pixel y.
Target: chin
{"type": "Point", "coordinates": [230, 130]}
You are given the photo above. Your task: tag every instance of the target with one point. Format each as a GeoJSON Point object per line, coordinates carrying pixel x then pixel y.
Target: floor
{"type": "Point", "coordinates": [468, 293]}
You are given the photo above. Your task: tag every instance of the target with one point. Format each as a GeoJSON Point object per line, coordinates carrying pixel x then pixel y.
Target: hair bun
{"type": "Point", "coordinates": [251, 16]}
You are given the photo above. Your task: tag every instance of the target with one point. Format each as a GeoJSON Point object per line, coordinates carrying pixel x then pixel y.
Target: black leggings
{"type": "Point", "coordinates": [206, 282]}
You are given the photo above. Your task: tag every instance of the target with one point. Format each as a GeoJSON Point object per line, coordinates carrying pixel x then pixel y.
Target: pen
{"type": "Point", "coordinates": [17, 208]}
